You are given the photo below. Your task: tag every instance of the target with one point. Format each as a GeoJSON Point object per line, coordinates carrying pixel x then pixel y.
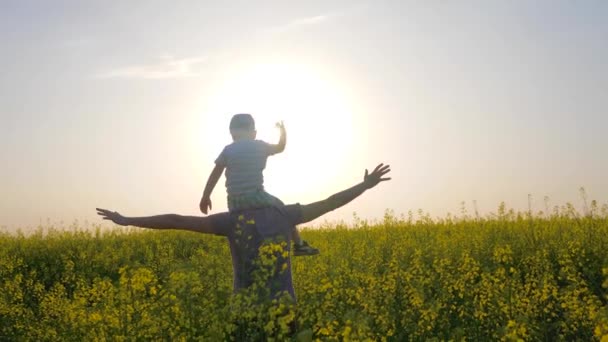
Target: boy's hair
{"type": "Point", "coordinates": [242, 122]}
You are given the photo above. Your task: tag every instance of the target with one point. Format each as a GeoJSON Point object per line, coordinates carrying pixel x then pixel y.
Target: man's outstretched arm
{"type": "Point", "coordinates": [167, 221]}
{"type": "Point", "coordinates": [314, 210]}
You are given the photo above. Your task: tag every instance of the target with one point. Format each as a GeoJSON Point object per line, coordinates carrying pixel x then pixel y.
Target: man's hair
{"type": "Point", "coordinates": [242, 122]}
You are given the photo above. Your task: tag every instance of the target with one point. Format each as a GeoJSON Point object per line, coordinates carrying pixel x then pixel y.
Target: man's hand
{"type": "Point", "coordinates": [205, 205]}
{"type": "Point", "coordinates": [337, 200]}
{"type": "Point", "coordinates": [372, 179]}
{"type": "Point", "coordinates": [112, 216]}
{"type": "Point", "coordinates": [280, 125]}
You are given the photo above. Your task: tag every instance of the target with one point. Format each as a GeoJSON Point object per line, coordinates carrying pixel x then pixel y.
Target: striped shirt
{"type": "Point", "coordinates": [245, 161]}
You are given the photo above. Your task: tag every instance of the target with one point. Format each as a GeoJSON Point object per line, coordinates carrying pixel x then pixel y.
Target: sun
{"type": "Point", "coordinates": [320, 125]}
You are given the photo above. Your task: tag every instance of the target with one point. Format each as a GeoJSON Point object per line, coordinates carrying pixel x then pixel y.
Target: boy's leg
{"type": "Point", "coordinates": [271, 200]}
{"type": "Point", "coordinates": [301, 247]}
{"type": "Point", "coordinates": [296, 236]}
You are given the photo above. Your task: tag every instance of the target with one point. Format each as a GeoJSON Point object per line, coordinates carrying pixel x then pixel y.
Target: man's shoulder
{"type": "Point", "coordinates": [293, 212]}
{"type": "Point", "coordinates": [273, 221]}
{"type": "Point", "coordinates": [290, 215]}
{"type": "Point", "coordinates": [268, 220]}
{"type": "Point", "coordinates": [221, 223]}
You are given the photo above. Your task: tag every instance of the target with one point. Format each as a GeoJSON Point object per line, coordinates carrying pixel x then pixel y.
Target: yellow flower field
{"type": "Point", "coordinates": [510, 276]}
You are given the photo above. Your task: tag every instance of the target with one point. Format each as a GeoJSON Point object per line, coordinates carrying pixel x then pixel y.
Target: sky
{"type": "Point", "coordinates": [125, 105]}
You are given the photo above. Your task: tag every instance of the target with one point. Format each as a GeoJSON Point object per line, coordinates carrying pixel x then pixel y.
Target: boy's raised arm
{"type": "Point", "coordinates": [280, 147]}
{"type": "Point", "coordinates": [214, 177]}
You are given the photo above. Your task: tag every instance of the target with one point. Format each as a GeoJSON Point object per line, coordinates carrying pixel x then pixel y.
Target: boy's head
{"type": "Point", "coordinates": [242, 127]}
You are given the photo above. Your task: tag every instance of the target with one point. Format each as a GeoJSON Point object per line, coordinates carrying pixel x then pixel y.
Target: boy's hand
{"type": "Point", "coordinates": [280, 147]}
{"type": "Point", "coordinates": [372, 179]}
{"type": "Point", "coordinates": [205, 205]}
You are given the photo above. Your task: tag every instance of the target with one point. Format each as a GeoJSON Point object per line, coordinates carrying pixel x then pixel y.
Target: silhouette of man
{"type": "Point", "coordinates": [248, 230]}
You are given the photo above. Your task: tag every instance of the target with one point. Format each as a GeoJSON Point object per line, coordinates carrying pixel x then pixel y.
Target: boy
{"type": "Point", "coordinates": [244, 161]}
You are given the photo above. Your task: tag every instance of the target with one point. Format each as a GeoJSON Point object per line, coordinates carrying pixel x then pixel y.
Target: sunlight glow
{"type": "Point", "coordinates": [319, 123]}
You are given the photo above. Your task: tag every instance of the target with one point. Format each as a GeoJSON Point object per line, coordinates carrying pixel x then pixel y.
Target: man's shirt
{"type": "Point", "coordinates": [249, 230]}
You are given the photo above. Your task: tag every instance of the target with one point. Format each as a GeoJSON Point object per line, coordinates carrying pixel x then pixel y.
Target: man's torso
{"type": "Point", "coordinates": [248, 232]}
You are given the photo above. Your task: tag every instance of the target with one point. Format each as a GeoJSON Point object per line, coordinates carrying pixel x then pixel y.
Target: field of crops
{"type": "Point", "coordinates": [509, 276]}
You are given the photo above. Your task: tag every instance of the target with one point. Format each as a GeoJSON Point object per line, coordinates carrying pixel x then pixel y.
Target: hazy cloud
{"type": "Point", "coordinates": [308, 20]}
{"type": "Point", "coordinates": [167, 67]}
{"type": "Point", "coordinates": [170, 67]}
{"type": "Point", "coordinates": [317, 19]}
{"type": "Point", "coordinates": [297, 23]}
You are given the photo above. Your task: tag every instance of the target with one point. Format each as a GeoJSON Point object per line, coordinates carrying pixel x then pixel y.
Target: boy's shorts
{"type": "Point", "coordinates": [254, 200]}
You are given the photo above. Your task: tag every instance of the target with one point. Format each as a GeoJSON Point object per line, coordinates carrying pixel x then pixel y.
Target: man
{"type": "Point", "coordinates": [247, 231]}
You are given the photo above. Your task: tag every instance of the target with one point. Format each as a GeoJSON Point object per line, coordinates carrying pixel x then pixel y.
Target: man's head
{"type": "Point", "coordinates": [242, 127]}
